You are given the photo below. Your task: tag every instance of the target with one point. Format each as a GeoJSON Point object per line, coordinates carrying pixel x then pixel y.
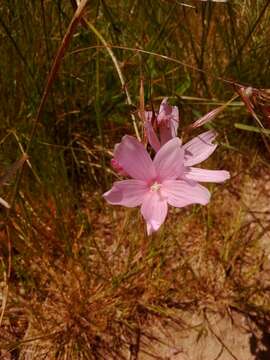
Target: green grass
{"type": "Point", "coordinates": [80, 279]}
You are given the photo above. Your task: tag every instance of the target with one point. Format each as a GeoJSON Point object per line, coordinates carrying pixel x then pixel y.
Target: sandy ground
{"type": "Point", "coordinates": [224, 338]}
{"type": "Point", "coordinates": [227, 337]}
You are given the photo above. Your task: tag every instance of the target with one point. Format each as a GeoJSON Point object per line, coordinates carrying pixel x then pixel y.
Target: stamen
{"type": "Point", "coordinates": [155, 186]}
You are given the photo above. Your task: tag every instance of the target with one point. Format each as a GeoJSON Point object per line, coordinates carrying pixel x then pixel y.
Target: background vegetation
{"type": "Point", "coordinates": [79, 278]}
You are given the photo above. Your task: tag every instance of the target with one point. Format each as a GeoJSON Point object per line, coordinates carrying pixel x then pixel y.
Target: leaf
{"type": "Point", "coordinates": [251, 128]}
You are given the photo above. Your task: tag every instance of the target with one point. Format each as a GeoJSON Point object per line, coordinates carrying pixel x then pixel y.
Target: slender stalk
{"type": "Point", "coordinates": [98, 116]}
{"type": "Point", "coordinates": [56, 64]}
{"type": "Point", "coordinates": [118, 69]}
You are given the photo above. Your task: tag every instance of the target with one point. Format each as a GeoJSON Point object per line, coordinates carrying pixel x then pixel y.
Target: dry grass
{"type": "Point", "coordinates": [92, 286]}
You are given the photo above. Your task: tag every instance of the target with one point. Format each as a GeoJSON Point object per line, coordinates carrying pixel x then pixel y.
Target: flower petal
{"type": "Point", "coordinates": [129, 193]}
{"type": "Point", "coordinates": [168, 121]}
{"type": "Point", "coordinates": [175, 120]}
{"type": "Point", "coordinates": [154, 210]}
{"type": "Point", "coordinates": [169, 160]}
{"type": "Point", "coordinates": [180, 193]}
{"type": "Point", "coordinates": [150, 133]}
{"type": "Point", "coordinates": [134, 159]}
{"type": "Point", "coordinates": [118, 168]}
{"type": "Point", "coordinates": [199, 148]}
{"type": "Point", "coordinates": [204, 175]}
{"type": "Point", "coordinates": [165, 133]}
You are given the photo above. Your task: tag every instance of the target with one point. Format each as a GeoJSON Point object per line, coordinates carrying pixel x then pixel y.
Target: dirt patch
{"type": "Point", "coordinates": [208, 337]}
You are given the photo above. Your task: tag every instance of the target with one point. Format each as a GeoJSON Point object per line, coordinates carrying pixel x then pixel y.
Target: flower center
{"type": "Point", "coordinates": [155, 186]}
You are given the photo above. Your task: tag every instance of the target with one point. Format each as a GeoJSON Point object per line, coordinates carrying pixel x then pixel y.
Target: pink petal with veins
{"type": "Point", "coordinates": [179, 193]}
{"type": "Point", "coordinates": [134, 159]}
{"type": "Point", "coordinates": [154, 210]}
{"type": "Point", "coordinates": [169, 160]}
{"type": "Point", "coordinates": [199, 148]}
{"type": "Point", "coordinates": [150, 132]}
{"type": "Point", "coordinates": [167, 121]}
{"type": "Point", "coordinates": [204, 175]}
{"type": "Point", "coordinates": [129, 193]}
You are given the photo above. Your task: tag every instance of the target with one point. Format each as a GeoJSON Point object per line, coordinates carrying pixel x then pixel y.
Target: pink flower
{"type": "Point", "coordinates": [166, 122]}
{"type": "Point", "coordinates": [167, 179]}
